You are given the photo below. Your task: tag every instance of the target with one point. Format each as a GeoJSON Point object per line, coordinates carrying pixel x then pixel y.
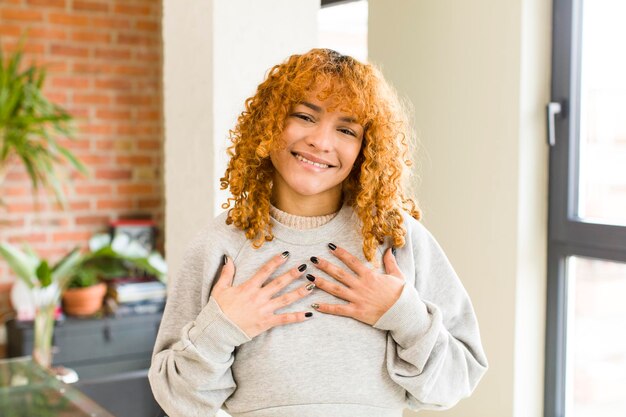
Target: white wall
{"type": "Point", "coordinates": [215, 54]}
{"type": "Point", "coordinates": [477, 73]}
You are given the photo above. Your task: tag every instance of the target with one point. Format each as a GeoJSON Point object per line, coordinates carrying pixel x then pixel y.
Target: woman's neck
{"type": "Point", "coordinates": [307, 206]}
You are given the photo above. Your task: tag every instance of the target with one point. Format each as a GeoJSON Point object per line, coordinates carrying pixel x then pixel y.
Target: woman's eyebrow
{"type": "Point", "coordinates": [318, 109]}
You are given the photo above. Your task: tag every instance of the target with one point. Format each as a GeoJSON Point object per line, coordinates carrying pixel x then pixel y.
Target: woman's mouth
{"type": "Point", "coordinates": [305, 160]}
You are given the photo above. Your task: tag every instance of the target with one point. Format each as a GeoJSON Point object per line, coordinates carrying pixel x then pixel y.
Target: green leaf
{"type": "Point", "coordinates": [44, 274]}
{"type": "Point", "coordinates": [20, 263]}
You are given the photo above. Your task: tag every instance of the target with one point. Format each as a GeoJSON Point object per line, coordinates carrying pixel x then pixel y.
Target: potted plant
{"type": "Point", "coordinates": [29, 125]}
{"type": "Point", "coordinates": [107, 258]}
{"type": "Point", "coordinates": [41, 285]}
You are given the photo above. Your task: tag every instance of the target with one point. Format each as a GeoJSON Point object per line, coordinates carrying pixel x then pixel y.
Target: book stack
{"type": "Point", "coordinates": [129, 296]}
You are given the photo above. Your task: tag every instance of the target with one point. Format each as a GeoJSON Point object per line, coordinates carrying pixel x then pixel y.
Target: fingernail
{"type": "Point", "coordinates": [224, 260]}
{"type": "Point", "coordinates": [315, 260]}
{"type": "Point", "coordinates": [310, 287]}
{"type": "Point", "coordinates": [310, 277]}
{"type": "Point", "coordinates": [302, 267]}
{"type": "Point", "coordinates": [393, 251]}
{"type": "Point", "coordinates": [332, 246]}
{"type": "Point", "coordinates": [285, 254]}
{"type": "Point", "coordinates": [308, 314]}
{"type": "Point", "coordinates": [315, 306]}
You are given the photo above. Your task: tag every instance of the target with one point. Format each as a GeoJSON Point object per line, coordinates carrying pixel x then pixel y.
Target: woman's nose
{"type": "Point", "coordinates": [321, 137]}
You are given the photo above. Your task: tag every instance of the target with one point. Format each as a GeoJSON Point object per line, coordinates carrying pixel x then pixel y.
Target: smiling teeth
{"type": "Point", "coordinates": [316, 164]}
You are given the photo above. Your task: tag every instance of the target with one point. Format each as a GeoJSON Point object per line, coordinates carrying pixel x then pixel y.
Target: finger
{"type": "Point", "coordinates": [336, 272]}
{"type": "Point", "coordinates": [337, 290]}
{"type": "Point", "coordinates": [282, 281]}
{"type": "Point", "coordinates": [288, 318]}
{"type": "Point", "coordinates": [349, 260]}
{"type": "Point", "coordinates": [267, 269]}
{"type": "Point", "coordinates": [346, 310]}
{"type": "Point", "coordinates": [391, 266]}
{"type": "Point", "coordinates": [291, 297]}
{"type": "Point", "coordinates": [227, 274]}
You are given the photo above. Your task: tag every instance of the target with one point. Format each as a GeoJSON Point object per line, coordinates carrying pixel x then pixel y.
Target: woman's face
{"type": "Point", "coordinates": [319, 150]}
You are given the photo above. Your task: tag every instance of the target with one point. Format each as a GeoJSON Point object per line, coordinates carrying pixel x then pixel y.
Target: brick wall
{"type": "Point", "coordinates": [104, 61]}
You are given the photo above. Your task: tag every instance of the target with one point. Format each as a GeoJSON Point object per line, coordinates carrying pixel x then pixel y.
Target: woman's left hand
{"type": "Point", "coordinates": [369, 293]}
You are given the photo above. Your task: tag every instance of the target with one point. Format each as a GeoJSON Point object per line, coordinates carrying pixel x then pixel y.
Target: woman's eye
{"type": "Point", "coordinates": [347, 132]}
{"type": "Point", "coordinates": [304, 117]}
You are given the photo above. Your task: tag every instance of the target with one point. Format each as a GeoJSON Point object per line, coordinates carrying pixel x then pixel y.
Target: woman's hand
{"type": "Point", "coordinates": [369, 293]}
{"type": "Point", "coordinates": [250, 305]}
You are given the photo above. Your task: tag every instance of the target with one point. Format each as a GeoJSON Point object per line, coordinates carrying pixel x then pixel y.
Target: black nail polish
{"type": "Point", "coordinates": [393, 251]}
{"type": "Point", "coordinates": [302, 267]}
{"type": "Point", "coordinates": [224, 260]}
{"type": "Point", "coordinates": [332, 246]}
{"type": "Point", "coordinates": [310, 277]}
{"type": "Point", "coordinates": [315, 260]}
{"type": "Point", "coordinates": [308, 314]}
{"type": "Point", "coordinates": [285, 254]}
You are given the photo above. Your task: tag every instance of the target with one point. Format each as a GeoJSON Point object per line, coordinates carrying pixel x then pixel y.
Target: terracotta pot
{"type": "Point", "coordinates": [84, 301]}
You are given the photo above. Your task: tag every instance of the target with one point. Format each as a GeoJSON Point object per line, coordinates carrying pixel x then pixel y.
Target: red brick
{"type": "Point", "coordinates": [74, 145]}
{"type": "Point", "coordinates": [22, 15]}
{"type": "Point", "coordinates": [71, 236]}
{"type": "Point", "coordinates": [113, 114]}
{"type": "Point", "coordinates": [92, 220]}
{"type": "Point", "coordinates": [95, 129]}
{"type": "Point", "coordinates": [91, 37]}
{"type": "Point", "coordinates": [132, 39]}
{"type": "Point", "coordinates": [14, 191]}
{"type": "Point", "coordinates": [134, 160]}
{"type": "Point", "coordinates": [138, 10]}
{"type": "Point", "coordinates": [149, 144]}
{"type": "Point", "coordinates": [69, 82]}
{"type": "Point", "coordinates": [67, 50]}
{"type": "Point", "coordinates": [135, 189]}
{"type": "Point", "coordinates": [149, 203]}
{"type": "Point", "coordinates": [93, 68]}
{"type": "Point", "coordinates": [113, 174]}
{"type": "Point", "coordinates": [54, 66]}
{"type": "Point", "coordinates": [30, 238]}
{"type": "Point", "coordinates": [152, 57]}
{"type": "Point", "coordinates": [91, 99]}
{"type": "Point", "coordinates": [92, 6]}
{"type": "Point", "coordinates": [149, 115]}
{"type": "Point", "coordinates": [105, 189]}
{"type": "Point", "coordinates": [68, 19]}
{"type": "Point", "coordinates": [58, 98]}
{"type": "Point", "coordinates": [54, 222]}
{"type": "Point", "coordinates": [115, 204]}
{"type": "Point", "coordinates": [148, 25]}
{"type": "Point", "coordinates": [47, 33]}
{"type": "Point", "coordinates": [74, 205]}
{"type": "Point", "coordinates": [134, 100]}
{"type": "Point", "coordinates": [10, 30]}
{"type": "Point", "coordinates": [113, 53]}
{"type": "Point", "coordinates": [130, 70]}
{"type": "Point", "coordinates": [47, 3]}
{"type": "Point", "coordinates": [114, 84]}
{"type": "Point", "coordinates": [91, 159]}
{"type": "Point", "coordinates": [136, 130]}
{"type": "Point", "coordinates": [28, 47]}
{"type": "Point", "coordinates": [110, 22]}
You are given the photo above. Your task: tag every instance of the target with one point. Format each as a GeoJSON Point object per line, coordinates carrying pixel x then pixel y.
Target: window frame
{"type": "Point", "coordinates": [568, 235]}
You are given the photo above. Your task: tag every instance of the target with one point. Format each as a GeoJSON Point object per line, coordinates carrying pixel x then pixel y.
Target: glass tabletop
{"type": "Point", "coordinates": [27, 390]}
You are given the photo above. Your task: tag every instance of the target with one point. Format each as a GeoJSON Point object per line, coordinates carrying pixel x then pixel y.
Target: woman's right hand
{"type": "Point", "coordinates": [251, 305]}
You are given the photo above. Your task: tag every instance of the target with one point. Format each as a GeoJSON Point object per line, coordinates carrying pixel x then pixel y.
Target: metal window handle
{"type": "Point", "coordinates": [554, 108]}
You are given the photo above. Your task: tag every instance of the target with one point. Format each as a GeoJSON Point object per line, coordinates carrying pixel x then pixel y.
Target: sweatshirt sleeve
{"type": "Point", "coordinates": [434, 349]}
{"type": "Point", "coordinates": [190, 374]}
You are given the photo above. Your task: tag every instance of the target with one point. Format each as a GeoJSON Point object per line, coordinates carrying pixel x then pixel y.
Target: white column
{"type": "Point", "coordinates": [477, 73]}
{"type": "Point", "coordinates": [215, 54]}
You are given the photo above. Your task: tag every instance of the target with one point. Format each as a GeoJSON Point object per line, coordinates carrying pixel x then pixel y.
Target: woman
{"type": "Point", "coordinates": [318, 293]}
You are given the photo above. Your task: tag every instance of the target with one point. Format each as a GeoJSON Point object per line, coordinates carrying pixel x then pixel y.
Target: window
{"type": "Point", "coordinates": [586, 314]}
{"type": "Point", "coordinates": [343, 27]}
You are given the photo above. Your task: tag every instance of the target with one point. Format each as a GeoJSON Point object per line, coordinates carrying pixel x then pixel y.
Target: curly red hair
{"type": "Point", "coordinates": [376, 188]}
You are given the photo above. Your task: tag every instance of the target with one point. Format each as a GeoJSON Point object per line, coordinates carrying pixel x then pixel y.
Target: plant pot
{"type": "Point", "coordinates": [84, 301]}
